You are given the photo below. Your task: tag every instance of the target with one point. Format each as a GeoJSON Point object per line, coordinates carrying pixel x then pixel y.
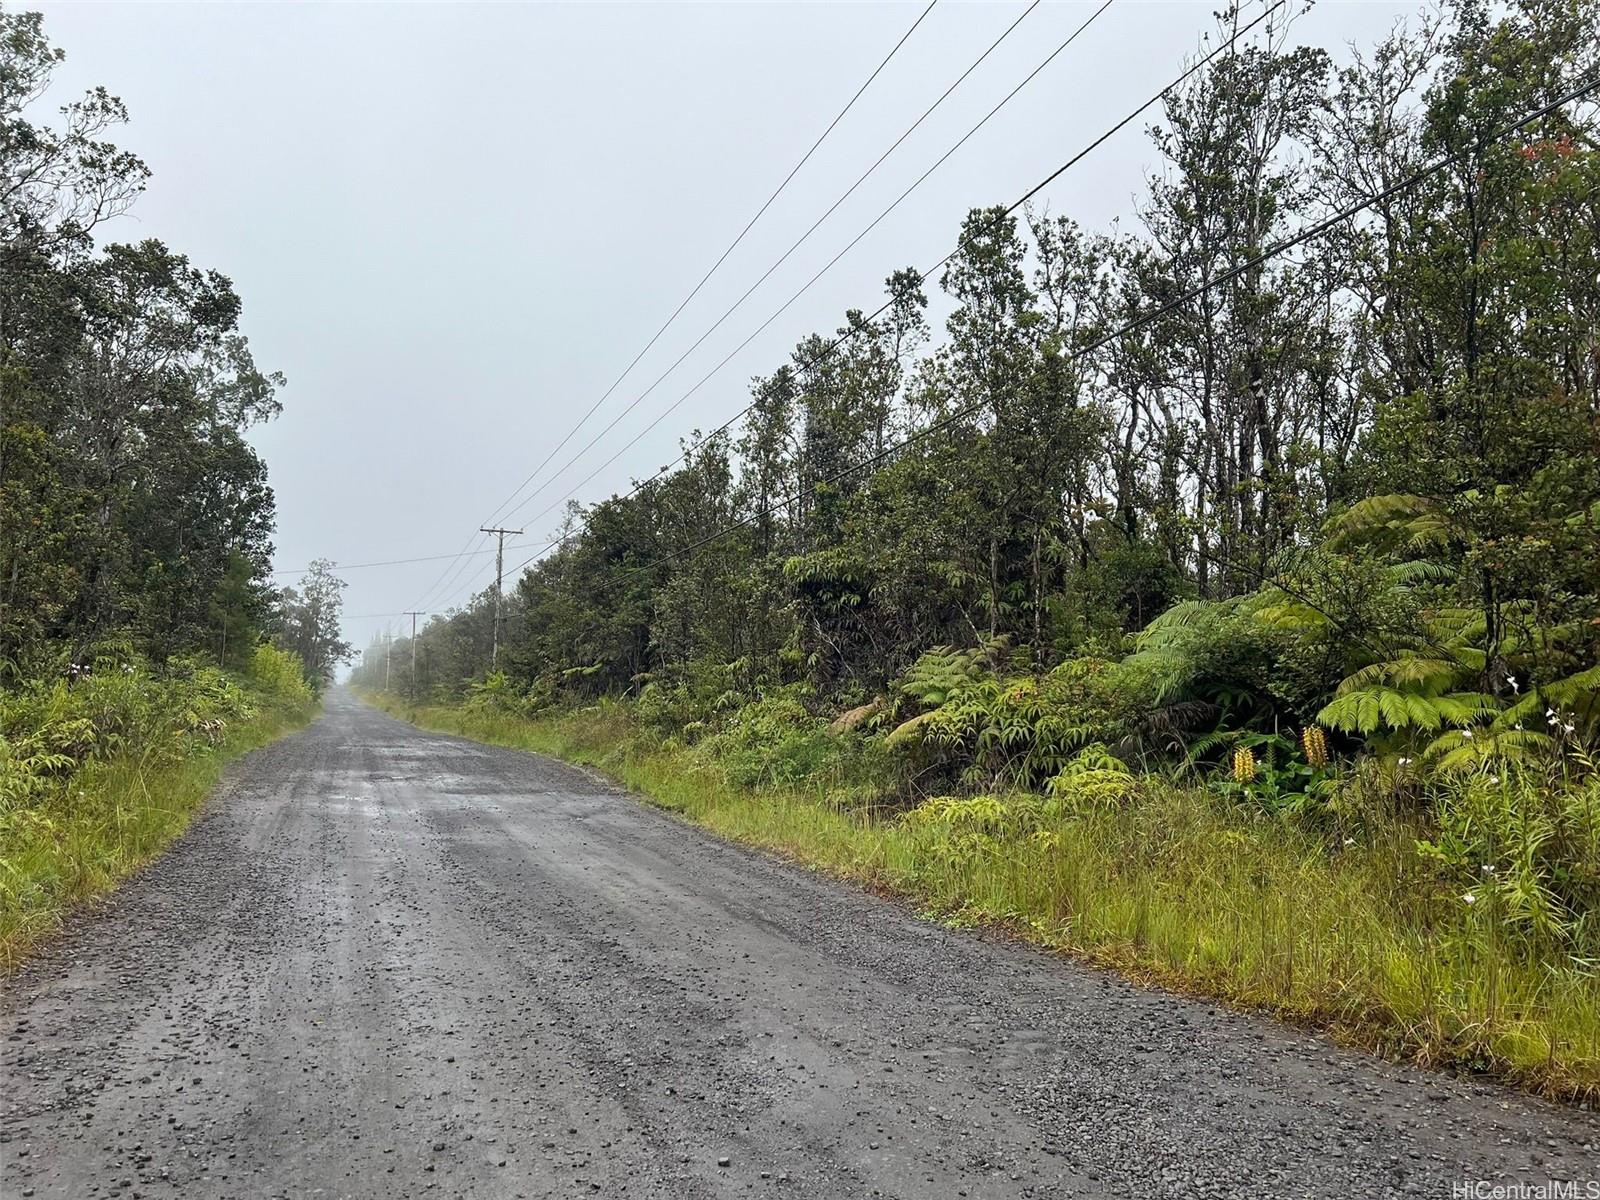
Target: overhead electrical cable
{"type": "Point", "coordinates": [1308, 234]}
{"type": "Point", "coordinates": [876, 221]}
{"type": "Point", "coordinates": [722, 258]}
{"type": "Point", "coordinates": [447, 576]}
{"type": "Point", "coordinates": [923, 275]}
{"type": "Point", "coordinates": [393, 562]}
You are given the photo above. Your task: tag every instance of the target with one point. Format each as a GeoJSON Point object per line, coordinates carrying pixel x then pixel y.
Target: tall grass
{"type": "Point", "coordinates": [1177, 888]}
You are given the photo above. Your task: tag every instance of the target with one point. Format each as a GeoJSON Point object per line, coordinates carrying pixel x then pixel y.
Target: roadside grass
{"type": "Point", "coordinates": [1175, 889]}
{"type": "Point", "coordinates": [109, 820]}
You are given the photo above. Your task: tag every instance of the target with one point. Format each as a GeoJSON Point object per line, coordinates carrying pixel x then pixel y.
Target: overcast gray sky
{"type": "Point", "coordinates": [452, 225]}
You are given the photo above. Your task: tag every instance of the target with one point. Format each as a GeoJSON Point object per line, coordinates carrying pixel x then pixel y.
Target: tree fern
{"type": "Point", "coordinates": [1172, 626]}
{"type": "Point", "coordinates": [1410, 525]}
{"type": "Point", "coordinates": [1429, 675]}
{"type": "Point", "coordinates": [1467, 750]}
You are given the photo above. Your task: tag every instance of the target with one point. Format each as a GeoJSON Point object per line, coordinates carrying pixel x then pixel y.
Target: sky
{"type": "Point", "coordinates": [454, 225]}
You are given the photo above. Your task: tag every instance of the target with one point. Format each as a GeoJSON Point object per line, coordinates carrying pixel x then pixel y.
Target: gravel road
{"type": "Point", "coordinates": [391, 963]}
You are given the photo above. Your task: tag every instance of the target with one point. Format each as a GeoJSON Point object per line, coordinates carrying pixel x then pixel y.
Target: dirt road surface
{"type": "Point", "coordinates": [390, 963]}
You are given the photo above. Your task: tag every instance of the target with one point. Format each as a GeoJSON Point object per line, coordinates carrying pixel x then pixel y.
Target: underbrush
{"type": "Point", "coordinates": [104, 763]}
{"type": "Point", "coordinates": [1436, 929]}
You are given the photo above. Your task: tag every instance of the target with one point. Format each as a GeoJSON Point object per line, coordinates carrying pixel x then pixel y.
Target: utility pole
{"type": "Point", "coordinates": [499, 586]}
{"type": "Point", "coordinates": [388, 643]}
{"type": "Point", "coordinates": [413, 616]}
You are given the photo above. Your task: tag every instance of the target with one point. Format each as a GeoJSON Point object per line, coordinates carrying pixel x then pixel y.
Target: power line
{"type": "Point", "coordinates": [452, 572]}
{"type": "Point", "coordinates": [712, 270]}
{"type": "Point", "coordinates": [388, 562]}
{"type": "Point", "coordinates": [828, 266]}
{"type": "Point", "coordinates": [1305, 235]}
{"type": "Point", "coordinates": [940, 161]}
{"type": "Point", "coordinates": [922, 275]}
{"type": "Point", "coordinates": [783, 258]}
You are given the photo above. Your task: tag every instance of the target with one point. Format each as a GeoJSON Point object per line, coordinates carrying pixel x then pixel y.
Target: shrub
{"type": "Point", "coordinates": [777, 742]}
{"type": "Point", "coordinates": [280, 673]}
{"type": "Point", "coordinates": [1019, 732]}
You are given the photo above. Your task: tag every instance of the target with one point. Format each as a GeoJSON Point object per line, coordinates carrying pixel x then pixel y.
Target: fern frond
{"type": "Point", "coordinates": [1420, 571]}
{"type": "Point", "coordinates": [1467, 708]}
{"type": "Point", "coordinates": [1381, 512]}
{"type": "Point", "coordinates": [1184, 615]}
{"type": "Point", "coordinates": [1428, 674]}
{"type": "Point", "coordinates": [1371, 709]}
{"type": "Point", "coordinates": [1293, 616]}
{"type": "Point", "coordinates": [1452, 752]}
{"type": "Point", "coordinates": [1583, 685]}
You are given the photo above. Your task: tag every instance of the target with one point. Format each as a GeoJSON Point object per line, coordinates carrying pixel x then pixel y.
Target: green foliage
{"type": "Point", "coordinates": [308, 622]}
{"type": "Point", "coordinates": [100, 767]}
{"type": "Point", "coordinates": [120, 706]}
{"type": "Point", "coordinates": [1522, 848]}
{"type": "Point", "coordinates": [1094, 778]}
{"type": "Point", "coordinates": [943, 674]}
{"type": "Point", "coordinates": [1215, 660]}
{"type": "Point", "coordinates": [134, 505]}
{"type": "Point", "coordinates": [280, 673]}
{"type": "Point", "coordinates": [987, 815]}
{"type": "Point", "coordinates": [1283, 783]}
{"type": "Point", "coordinates": [1015, 732]}
{"type": "Point", "coordinates": [776, 742]}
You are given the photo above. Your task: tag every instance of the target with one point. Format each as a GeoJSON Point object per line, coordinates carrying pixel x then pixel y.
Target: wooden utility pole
{"type": "Point", "coordinates": [413, 616]}
{"type": "Point", "coordinates": [499, 587]}
{"type": "Point", "coordinates": [388, 643]}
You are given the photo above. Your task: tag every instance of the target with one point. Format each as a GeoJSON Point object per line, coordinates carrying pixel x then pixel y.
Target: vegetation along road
{"type": "Point", "coordinates": [387, 962]}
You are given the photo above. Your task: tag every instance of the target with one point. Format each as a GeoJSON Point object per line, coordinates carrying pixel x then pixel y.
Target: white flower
{"type": "Point", "coordinates": [1494, 779]}
{"type": "Point", "coordinates": [1349, 841]}
{"type": "Point", "coordinates": [1469, 898]}
{"type": "Point", "coordinates": [1569, 727]}
{"type": "Point", "coordinates": [1512, 681]}
{"type": "Point", "coordinates": [1550, 714]}
{"type": "Point", "coordinates": [1467, 733]}
{"type": "Point", "coordinates": [1487, 869]}
{"type": "Point", "coordinates": [1405, 762]}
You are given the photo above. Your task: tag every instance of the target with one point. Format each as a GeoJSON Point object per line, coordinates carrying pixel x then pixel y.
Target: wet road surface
{"type": "Point", "coordinates": [389, 963]}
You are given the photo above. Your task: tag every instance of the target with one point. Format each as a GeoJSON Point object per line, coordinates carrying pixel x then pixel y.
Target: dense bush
{"type": "Point", "coordinates": [280, 673]}
{"type": "Point", "coordinates": [777, 742]}
{"type": "Point", "coordinates": [1525, 845]}
{"type": "Point", "coordinates": [103, 763]}
{"type": "Point", "coordinates": [117, 706]}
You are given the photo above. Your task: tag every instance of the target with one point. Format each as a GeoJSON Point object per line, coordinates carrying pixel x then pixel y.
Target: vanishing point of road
{"type": "Point", "coordinates": [388, 963]}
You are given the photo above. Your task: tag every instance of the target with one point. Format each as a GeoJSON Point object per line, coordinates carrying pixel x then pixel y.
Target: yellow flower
{"type": "Point", "coordinates": [1315, 744]}
{"type": "Point", "coordinates": [1244, 765]}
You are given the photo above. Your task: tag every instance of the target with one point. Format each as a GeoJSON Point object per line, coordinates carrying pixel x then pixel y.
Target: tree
{"type": "Point", "coordinates": [309, 621]}
{"type": "Point", "coordinates": [134, 508]}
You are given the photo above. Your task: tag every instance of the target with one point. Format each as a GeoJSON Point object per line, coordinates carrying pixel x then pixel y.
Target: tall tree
{"type": "Point", "coordinates": [310, 621]}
